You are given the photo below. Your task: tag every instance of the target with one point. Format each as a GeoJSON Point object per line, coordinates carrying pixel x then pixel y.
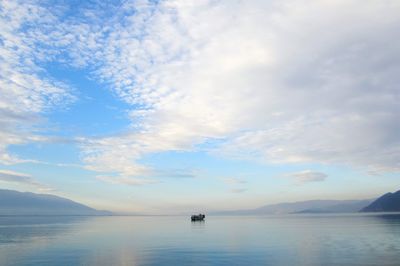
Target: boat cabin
{"type": "Point", "coordinates": [198, 217]}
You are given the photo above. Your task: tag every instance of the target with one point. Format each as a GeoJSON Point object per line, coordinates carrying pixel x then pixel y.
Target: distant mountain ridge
{"type": "Point", "coordinates": [27, 203]}
{"type": "Point", "coordinates": [310, 206]}
{"type": "Point", "coordinates": [347, 206]}
{"type": "Point", "coordinates": [389, 202]}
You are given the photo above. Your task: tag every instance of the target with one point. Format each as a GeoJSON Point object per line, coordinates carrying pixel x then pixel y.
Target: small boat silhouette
{"type": "Point", "coordinates": [199, 217]}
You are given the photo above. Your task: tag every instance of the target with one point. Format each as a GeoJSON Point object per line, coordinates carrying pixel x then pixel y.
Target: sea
{"type": "Point", "coordinates": [296, 239]}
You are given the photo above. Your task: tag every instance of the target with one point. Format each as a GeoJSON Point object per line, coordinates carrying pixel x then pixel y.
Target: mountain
{"type": "Point", "coordinates": [27, 203]}
{"type": "Point", "coordinates": [346, 206]}
{"type": "Point", "coordinates": [390, 202]}
{"type": "Point", "coordinates": [310, 206]}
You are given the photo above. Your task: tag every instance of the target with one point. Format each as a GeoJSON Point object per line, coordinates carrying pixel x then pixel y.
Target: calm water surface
{"type": "Point", "coordinates": [264, 240]}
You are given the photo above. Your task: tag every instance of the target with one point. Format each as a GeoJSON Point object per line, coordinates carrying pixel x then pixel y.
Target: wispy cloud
{"type": "Point", "coordinates": [235, 184]}
{"type": "Point", "coordinates": [284, 92]}
{"type": "Point", "coordinates": [238, 190]}
{"type": "Point", "coordinates": [22, 179]}
{"type": "Point", "coordinates": [26, 90]}
{"type": "Point", "coordinates": [307, 176]}
{"type": "Point", "coordinates": [233, 180]}
{"type": "Point", "coordinates": [123, 180]}
{"type": "Point", "coordinates": [264, 85]}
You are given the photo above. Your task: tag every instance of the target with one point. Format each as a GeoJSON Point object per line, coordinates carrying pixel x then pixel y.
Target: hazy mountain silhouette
{"type": "Point", "coordinates": [310, 206]}
{"type": "Point", "coordinates": [390, 202]}
{"type": "Point", "coordinates": [27, 203]}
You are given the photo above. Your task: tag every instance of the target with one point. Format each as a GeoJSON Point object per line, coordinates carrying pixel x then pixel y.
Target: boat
{"type": "Point", "coordinates": [198, 217]}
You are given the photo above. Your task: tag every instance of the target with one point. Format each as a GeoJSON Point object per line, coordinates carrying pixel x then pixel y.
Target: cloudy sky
{"type": "Point", "coordinates": [174, 106]}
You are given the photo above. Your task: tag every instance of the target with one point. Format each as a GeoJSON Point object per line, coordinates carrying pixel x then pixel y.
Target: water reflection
{"type": "Point", "coordinates": [32, 228]}
{"type": "Point", "coordinates": [198, 225]}
{"type": "Point", "coordinates": [268, 240]}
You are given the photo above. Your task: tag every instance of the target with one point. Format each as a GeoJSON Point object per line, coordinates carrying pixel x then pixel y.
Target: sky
{"type": "Point", "coordinates": [180, 106]}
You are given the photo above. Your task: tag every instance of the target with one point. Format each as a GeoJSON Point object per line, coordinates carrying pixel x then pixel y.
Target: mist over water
{"type": "Point", "coordinates": [351, 239]}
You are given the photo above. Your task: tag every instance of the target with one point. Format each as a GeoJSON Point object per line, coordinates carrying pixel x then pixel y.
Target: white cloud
{"type": "Point", "coordinates": [277, 81]}
{"type": "Point", "coordinates": [22, 179]}
{"type": "Point", "coordinates": [307, 176]}
{"type": "Point", "coordinates": [284, 81]}
{"type": "Point", "coordinates": [25, 90]}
